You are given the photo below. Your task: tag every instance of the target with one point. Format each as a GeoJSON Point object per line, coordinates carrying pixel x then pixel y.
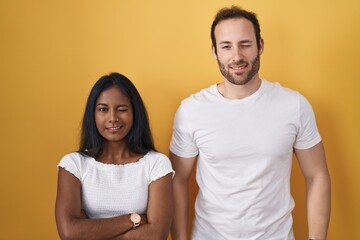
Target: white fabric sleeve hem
{"type": "Point", "coordinates": [308, 134]}
{"type": "Point", "coordinates": [309, 144]}
{"type": "Point", "coordinates": [160, 166]}
{"type": "Point", "coordinates": [182, 143]}
{"type": "Point", "coordinates": [163, 175]}
{"type": "Point", "coordinates": [69, 170]}
{"type": "Point", "coordinates": [71, 163]}
{"type": "Point", "coordinates": [179, 153]}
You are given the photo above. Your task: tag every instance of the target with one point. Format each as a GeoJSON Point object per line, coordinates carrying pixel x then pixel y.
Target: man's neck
{"type": "Point", "coordinates": [232, 91]}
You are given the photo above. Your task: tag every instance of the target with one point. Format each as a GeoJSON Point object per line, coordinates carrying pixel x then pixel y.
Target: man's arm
{"type": "Point", "coordinates": [313, 165]}
{"type": "Point", "coordinates": [183, 168]}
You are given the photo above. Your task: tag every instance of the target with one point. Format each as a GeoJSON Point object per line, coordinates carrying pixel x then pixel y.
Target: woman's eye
{"type": "Point", "coordinates": [102, 109]}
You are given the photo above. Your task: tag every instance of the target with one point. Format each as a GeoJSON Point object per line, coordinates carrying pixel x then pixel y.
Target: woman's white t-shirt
{"type": "Point", "coordinates": [109, 190]}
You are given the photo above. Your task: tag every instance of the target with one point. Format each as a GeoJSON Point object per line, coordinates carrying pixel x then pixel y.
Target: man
{"type": "Point", "coordinates": [243, 132]}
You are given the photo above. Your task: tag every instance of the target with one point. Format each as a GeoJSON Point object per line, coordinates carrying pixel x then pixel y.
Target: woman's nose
{"type": "Point", "coordinates": [113, 117]}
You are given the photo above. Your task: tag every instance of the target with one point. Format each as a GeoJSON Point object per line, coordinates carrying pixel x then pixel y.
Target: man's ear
{"type": "Point", "coordinates": [261, 49]}
{"type": "Point", "coordinates": [213, 51]}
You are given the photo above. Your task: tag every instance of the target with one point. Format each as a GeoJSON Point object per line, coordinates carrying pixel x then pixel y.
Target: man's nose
{"type": "Point", "coordinates": [237, 55]}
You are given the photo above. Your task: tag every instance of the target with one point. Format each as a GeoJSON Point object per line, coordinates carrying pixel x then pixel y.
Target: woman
{"type": "Point", "coordinates": [116, 186]}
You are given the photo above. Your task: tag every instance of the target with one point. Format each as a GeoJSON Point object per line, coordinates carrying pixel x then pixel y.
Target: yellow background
{"type": "Point", "coordinates": [52, 52]}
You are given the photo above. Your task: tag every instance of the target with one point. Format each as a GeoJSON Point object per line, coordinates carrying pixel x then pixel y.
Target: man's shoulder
{"type": "Point", "coordinates": [277, 89]}
{"type": "Point", "coordinates": [204, 95]}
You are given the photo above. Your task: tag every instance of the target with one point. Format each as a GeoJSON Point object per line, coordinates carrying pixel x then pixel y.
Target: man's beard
{"type": "Point", "coordinates": [243, 78]}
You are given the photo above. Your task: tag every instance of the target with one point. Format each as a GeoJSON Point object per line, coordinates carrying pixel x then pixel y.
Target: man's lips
{"type": "Point", "coordinates": [238, 66]}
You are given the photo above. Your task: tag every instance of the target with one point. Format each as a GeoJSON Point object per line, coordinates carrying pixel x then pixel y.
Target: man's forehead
{"type": "Point", "coordinates": [234, 27]}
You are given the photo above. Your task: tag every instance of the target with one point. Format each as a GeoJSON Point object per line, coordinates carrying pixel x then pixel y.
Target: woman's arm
{"type": "Point", "coordinates": [72, 223]}
{"type": "Point", "coordinates": [159, 213]}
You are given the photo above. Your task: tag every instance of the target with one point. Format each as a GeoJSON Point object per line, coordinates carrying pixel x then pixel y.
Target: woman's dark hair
{"type": "Point", "coordinates": [139, 139]}
{"type": "Point", "coordinates": [235, 12]}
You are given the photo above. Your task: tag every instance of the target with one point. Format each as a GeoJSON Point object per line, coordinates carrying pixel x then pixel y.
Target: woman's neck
{"type": "Point", "coordinates": [117, 153]}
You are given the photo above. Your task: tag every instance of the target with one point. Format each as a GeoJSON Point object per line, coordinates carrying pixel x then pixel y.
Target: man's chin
{"type": "Point", "coordinates": [238, 81]}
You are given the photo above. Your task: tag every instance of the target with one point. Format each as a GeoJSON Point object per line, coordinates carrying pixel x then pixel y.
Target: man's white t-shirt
{"type": "Point", "coordinates": [244, 149]}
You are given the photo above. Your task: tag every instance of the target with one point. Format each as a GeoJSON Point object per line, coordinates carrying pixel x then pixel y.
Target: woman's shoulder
{"type": "Point", "coordinates": [157, 159]}
{"type": "Point", "coordinates": [75, 157]}
{"type": "Point", "coordinates": [154, 155]}
{"type": "Point", "coordinates": [160, 165]}
{"type": "Point", "coordinates": [74, 160]}
{"type": "Point", "coordinates": [76, 163]}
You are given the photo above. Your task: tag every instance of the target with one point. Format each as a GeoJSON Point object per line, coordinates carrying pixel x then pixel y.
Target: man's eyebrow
{"type": "Point", "coordinates": [225, 42]}
{"type": "Point", "coordinates": [245, 41]}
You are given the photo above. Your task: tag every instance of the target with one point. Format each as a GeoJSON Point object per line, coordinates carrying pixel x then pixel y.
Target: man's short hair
{"type": "Point", "coordinates": [235, 12]}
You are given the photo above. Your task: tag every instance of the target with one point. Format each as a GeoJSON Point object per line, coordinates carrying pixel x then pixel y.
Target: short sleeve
{"type": "Point", "coordinates": [160, 166]}
{"type": "Point", "coordinates": [308, 134]}
{"type": "Point", "coordinates": [72, 164]}
{"type": "Point", "coordinates": [182, 143]}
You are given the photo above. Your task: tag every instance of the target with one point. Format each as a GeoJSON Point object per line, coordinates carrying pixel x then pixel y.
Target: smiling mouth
{"type": "Point", "coordinates": [114, 128]}
{"type": "Point", "coordinates": [238, 67]}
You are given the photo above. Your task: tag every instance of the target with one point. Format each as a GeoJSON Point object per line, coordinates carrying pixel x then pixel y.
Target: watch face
{"type": "Point", "coordinates": [135, 218]}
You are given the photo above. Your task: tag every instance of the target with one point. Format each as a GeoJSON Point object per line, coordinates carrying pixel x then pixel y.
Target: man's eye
{"type": "Point", "coordinates": [226, 47]}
